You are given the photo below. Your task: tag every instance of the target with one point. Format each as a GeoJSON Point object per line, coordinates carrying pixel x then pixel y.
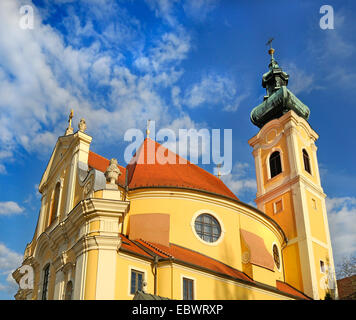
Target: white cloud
{"type": "Point", "coordinates": [166, 9]}
{"type": "Point", "coordinates": [42, 77]}
{"type": "Point", "coordinates": [163, 9]}
{"type": "Point", "coordinates": [199, 9]}
{"type": "Point", "coordinates": [238, 180]}
{"type": "Point", "coordinates": [213, 89]}
{"type": "Point", "coordinates": [342, 224]}
{"type": "Point", "coordinates": [300, 80]}
{"type": "Point", "coordinates": [10, 208]}
{"type": "Point", "coordinates": [9, 261]}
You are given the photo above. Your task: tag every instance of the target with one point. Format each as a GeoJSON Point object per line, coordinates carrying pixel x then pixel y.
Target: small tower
{"type": "Point", "coordinates": [288, 184]}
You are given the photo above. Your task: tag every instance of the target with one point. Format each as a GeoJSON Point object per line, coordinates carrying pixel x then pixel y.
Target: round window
{"type": "Point", "coordinates": [276, 256]}
{"type": "Point", "coordinates": [207, 227]}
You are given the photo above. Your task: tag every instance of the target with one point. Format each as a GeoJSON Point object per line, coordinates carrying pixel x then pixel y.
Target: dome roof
{"type": "Point", "coordinates": [175, 172]}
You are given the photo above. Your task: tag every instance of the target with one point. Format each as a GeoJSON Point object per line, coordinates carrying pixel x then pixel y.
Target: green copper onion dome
{"type": "Point", "coordinates": [279, 99]}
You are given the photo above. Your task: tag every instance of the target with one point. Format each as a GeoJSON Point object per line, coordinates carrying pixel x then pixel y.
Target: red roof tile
{"type": "Point", "coordinates": [128, 245]}
{"type": "Point", "coordinates": [285, 287]}
{"type": "Point", "coordinates": [144, 171]}
{"type": "Point", "coordinates": [100, 163]}
{"type": "Point", "coordinates": [195, 258]}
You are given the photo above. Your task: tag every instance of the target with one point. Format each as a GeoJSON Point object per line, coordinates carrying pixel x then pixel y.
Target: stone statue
{"type": "Point", "coordinates": [82, 125]}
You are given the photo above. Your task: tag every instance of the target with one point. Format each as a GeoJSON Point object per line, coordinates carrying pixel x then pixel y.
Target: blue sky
{"type": "Point", "coordinates": [185, 64]}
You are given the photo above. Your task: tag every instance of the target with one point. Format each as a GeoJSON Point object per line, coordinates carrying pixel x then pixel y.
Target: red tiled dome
{"type": "Point", "coordinates": [143, 171]}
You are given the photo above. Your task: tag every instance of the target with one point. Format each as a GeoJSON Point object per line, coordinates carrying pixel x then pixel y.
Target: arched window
{"type": "Point", "coordinates": [275, 164]}
{"type": "Point", "coordinates": [45, 282]}
{"type": "Point", "coordinates": [69, 291]}
{"type": "Point", "coordinates": [207, 227]}
{"type": "Point", "coordinates": [306, 161]}
{"type": "Point", "coordinates": [55, 201]}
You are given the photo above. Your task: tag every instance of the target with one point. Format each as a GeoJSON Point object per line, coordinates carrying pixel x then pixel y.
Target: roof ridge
{"type": "Point", "coordinates": [157, 249]}
{"type": "Point", "coordinates": [216, 260]}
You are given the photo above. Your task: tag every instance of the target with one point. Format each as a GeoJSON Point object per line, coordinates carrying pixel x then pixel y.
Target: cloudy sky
{"type": "Point", "coordinates": [185, 64]}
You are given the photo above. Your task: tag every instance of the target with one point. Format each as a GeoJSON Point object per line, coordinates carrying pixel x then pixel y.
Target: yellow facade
{"type": "Point", "coordinates": [84, 243]}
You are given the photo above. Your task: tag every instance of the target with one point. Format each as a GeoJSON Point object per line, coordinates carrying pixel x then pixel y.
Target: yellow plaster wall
{"type": "Point", "coordinates": [304, 143]}
{"type": "Point", "coordinates": [286, 217]}
{"type": "Point", "coordinates": [181, 213]}
{"type": "Point", "coordinates": [291, 261]}
{"type": "Point", "coordinates": [316, 219]}
{"type": "Point", "coordinates": [164, 281]}
{"type": "Point", "coordinates": [209, 287]}
{"type": "Point", "coordinates": [91, 274]}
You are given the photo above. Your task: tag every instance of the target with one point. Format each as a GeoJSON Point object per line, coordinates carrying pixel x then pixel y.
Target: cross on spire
{"type": "Point", "coordinates": [271, 50]}
{"type": "Point", "coordinates": [69, 130]}
{"type": "Point", "coordinates": [218, 166]}
{"type": "Point", "coordinates": [147, 129]}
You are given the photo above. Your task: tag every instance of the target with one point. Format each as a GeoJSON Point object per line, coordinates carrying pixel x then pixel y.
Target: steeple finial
{"type": "Point", "coordinates": [218, 166]}
{"type": "Point", "coordinates": [271, 50]}
{"type": "Point", "coordinates": [147, 129]}
{"type": "Point", "coordinates": [273, 64]}
{"type": "Point", "coordinates": [69, 130]}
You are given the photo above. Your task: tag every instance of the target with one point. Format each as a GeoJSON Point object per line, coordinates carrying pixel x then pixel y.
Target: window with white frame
{"type": "Point", "coordinates": [207, 227]}
{"type": "Point", "coordinates": [188, 289]}
{"type": "Point", "coordinates": [137, 278]}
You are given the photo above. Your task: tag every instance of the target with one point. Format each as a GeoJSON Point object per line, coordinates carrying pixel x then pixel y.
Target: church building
{"type": "Point", "coordinates": [176, 231]}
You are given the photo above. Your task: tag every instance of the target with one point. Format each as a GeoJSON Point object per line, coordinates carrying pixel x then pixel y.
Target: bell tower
{"type": "Point", "coordinates": [288, 184]}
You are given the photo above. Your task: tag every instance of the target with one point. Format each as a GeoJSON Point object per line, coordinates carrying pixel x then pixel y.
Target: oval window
{"type": "Point", "coordinates": [207, 227]}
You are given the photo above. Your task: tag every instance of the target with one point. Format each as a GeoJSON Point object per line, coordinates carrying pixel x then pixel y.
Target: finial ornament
{"type": "Point", "coordinates": [219, 172]}
{"type": "Point", "coordinates": [70, 129]}
{"type": "Point", "coordinates": [82, 126]}
{"type": "Point", "coordinates": [269, 43]}
{"type": "Point", "coordinates": [271, 51]}
{"type": "Point", "coordinates": [148, 130]}
{"type": "Point", "coordinates": [112, 173]}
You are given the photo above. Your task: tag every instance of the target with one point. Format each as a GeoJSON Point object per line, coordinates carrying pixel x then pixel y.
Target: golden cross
{"type": "Point", "coordinates": [148, 130]}
{"type": "Point", "coordinates": [70, 118]}
{"type": "Point", "coordinates": [219, 172]}
{"type": "Point", "coordinates": [269, 42]}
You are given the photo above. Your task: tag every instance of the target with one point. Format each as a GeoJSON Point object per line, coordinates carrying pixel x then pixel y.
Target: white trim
{"type": "Point", "coordinates": [134, 268]}
{"type": "Point", "coordinates": [182, 276]}
{"type": "Point", "coordinates": [275, 206]}
{"type": "Point", "coordinates": [212, 213]}
{"type": "Point", "coordinates": [129, 257]}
